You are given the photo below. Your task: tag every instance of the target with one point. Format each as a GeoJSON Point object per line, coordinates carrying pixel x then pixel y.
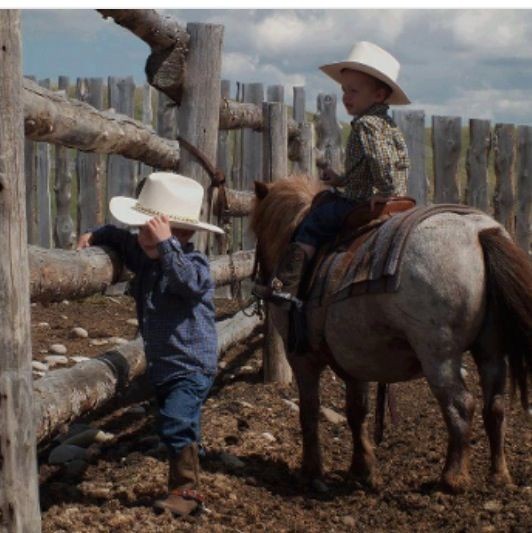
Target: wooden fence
{"type": "Point", "coordinates": [68, 190]}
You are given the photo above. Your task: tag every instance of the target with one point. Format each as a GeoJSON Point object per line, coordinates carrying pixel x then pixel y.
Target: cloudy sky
{"type": "Point", "coordinates": [469, 63]}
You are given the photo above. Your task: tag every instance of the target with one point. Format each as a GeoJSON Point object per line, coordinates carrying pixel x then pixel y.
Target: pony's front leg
{"type": "Point", "coordinates": [307, 370]}
{"type": "Point", "coordinates": [363, 460]}
{"type": "Point", "coordinates": [457, 405]}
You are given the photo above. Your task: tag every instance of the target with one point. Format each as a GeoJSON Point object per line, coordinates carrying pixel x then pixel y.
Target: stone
{"type": "Point", "coordinates": [65, 302]}
{"type": "Point", "coordinates": [75, 468]}
{"type": "Point", "coordinates": [246, 368]}
{"type": "Point", "coordinates": [117, 340]}
{"type": "Point", "coordinates": [79, 332]}
{"type": "Point", "coordinates": [66, 452]}
{"type": "Point", "coordinates": [132, 322]}
{"type": "Point", "coordinates": [55, 360]}
{"type": "Point", "coordinates": [38, 373]}
{"type": "Point", "coordinates": [85, 438]}
{"type": "Point", "coordinates": [268, 436]}
{"type": "Point", "coordinates": [98, 342]}
{"type": "Point", "coordinates": [137, 410]}
{"type": "Point", "coordinates": [246, 404]}
{"type": "Point", "coordinates": [222, 364]}
{"type": "Point", "coordinates": [231, 461]}
{"type": "Point", "coordinates": [79, 358]}
{"type": "Point", "coordinates": [64, 317]}
{"type": "Point", "coordinates": [349, 521]}
{"type": "Point", "coordinates": [43, 325]}
{"type": "Point", "coordinates": [291, 405]}
{"type": "Point", "coordinates": [59, 349]}
{"type": "Point", "coordinates": [437, 508]}
{"type": "Point", "coordinates": [40, 367]}
{"type": "Point", "coordinates": [332, 416]}
{"type": "Point", "coordinates": [493, 506]}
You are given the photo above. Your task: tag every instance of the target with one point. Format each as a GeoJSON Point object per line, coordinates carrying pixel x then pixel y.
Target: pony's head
{"type": "Point", "coordinates": [279, 208]}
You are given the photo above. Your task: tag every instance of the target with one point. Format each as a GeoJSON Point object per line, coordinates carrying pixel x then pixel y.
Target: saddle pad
{"type": "Point", "coordinates": [370, 262]}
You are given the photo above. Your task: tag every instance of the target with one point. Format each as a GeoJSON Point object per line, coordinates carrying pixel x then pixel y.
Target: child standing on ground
{"type": "Point", "coordinates": [173, 291]}
{"type": "Point", "coordinates": [376, 161]}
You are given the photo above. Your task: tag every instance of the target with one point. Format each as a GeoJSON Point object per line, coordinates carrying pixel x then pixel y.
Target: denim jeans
{"type": "Point", "coordinates": [323, 223]}
{"type": "Point", "coordinates": [180, 403]}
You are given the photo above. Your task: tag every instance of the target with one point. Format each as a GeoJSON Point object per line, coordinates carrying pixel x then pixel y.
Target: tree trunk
{"type": "Point", "coordinates": [54, 118]}
{"type": "Point", "coordinates": [56, 275]}
{"type": "Point", "coordinates": [19, 498]}
{"type": "Point", "coordinates": [68, 393]}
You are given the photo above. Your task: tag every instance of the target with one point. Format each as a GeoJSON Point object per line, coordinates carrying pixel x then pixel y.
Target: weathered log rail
{"type": "Point", "coordinates": [53, 117]}
{"type": "Point", "coordinates": [56, 274]}
{"type": "Point", "coordinates": [67, 394]}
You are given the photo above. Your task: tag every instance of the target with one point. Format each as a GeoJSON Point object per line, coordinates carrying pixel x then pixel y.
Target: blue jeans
{"type": "Point", "coordinates": [324, 222]}
{"type": "Point", "coordinates": [180, 403]}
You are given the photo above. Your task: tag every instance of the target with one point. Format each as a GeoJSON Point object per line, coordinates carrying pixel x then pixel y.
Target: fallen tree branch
{"type": "Point", "coordinates": [52, 117]}
{"type": "Point", "coordinates": [66, 394]}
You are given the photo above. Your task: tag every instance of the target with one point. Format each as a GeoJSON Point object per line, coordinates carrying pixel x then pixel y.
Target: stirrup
{"type": "Point", "coordinates": [268, 293]}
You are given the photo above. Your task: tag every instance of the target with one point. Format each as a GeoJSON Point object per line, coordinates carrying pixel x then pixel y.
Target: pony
{"type": "Point", "coordinates": [464, 286]}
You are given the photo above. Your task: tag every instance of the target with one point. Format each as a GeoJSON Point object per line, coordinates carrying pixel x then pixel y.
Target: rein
{"type": "Point", "coordinates": [218, 180]}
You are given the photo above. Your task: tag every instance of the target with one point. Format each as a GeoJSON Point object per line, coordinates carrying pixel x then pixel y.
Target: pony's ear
{"type": "Point", "coordinates": [261, 189]}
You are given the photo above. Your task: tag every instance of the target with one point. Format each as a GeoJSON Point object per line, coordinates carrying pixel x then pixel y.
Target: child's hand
{"type": "Point", "coordinates": [84, 241]}
{"type": "Point", "coordinates": [158, 228]}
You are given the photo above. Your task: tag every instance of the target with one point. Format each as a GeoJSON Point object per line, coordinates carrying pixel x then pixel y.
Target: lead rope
{"type": "Point", "coordinates": [224, 220]}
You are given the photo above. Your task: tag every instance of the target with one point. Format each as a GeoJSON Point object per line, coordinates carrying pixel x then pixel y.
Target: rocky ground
{"type": "Point", "coordinates": [252, 443]}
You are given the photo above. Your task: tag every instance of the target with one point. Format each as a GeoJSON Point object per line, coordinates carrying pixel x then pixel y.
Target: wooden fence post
{"type": "Point", "coordinates": [275, 93]}
{"type": "Point", "coordinates": [121, 172]}
{"type": "Point", "coordinates": [275, 150]}
{"type": "Point", "coordinates": [90, 168]}
{"type": "Point", "coordinates": [199, 113]}
{"type": "Point", "coordinates": [305, 162]}
{"type": "Point", "coordinates": [523, 215]}
{"type": "Point", "coordinates": [19, 497]}
{"type": "Point", "coordinates": [64, 234]}
{"type": "Point", "coordinates": [446, 144]}
{"type": "Point", "coordinates": [329, 133]}
{"type": "Point", "coordinates": [166, 116]}
{"type": "Point", "coordinates": [43, 188]}
{"type": "Point", "coordinates": [30, 171]}
{"type": "Point", "coordinates": [477, 164]}
{"type": "Point", "coordinates": [235, 173]}
{"type": "Point", "coordinates": [504, 197]}
{"type": "Point", "coordinates": [251, 162]}
{"type": "Point", "coordinates": [147, 118]}
{"type": "Point", "coordinates": [412, 125]}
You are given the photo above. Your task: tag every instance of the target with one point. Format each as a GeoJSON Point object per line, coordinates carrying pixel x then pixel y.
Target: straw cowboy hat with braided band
{"type": "Point", "coordinates": [164, 193]}
{"type": "Point", "coordinates": [373, 60]}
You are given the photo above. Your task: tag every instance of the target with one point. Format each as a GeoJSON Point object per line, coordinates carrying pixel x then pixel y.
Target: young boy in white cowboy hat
{"type": "Point", "coordinates": [376, 160]}
{"type": "Point", "coordinates": [173, 291]}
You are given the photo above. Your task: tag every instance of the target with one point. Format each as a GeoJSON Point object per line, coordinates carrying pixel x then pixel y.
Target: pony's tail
{"type": "Point", "coordinates": [509, 284]}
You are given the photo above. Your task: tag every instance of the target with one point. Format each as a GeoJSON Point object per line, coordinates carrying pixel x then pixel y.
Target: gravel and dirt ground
{"type": "Point", "coordinates": [252, 442]}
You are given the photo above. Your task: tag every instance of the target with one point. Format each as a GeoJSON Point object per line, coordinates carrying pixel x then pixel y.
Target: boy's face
{"type": "Point", "coordinates": [361, 91]}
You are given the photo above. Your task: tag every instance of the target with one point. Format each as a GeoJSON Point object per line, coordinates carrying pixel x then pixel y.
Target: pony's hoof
{"type": "Point", "coordinates": [455, 484]}
{"type": "Point", "coordinates": [500, 479]}
{"type": "Point", "coordinates": [369, 480]}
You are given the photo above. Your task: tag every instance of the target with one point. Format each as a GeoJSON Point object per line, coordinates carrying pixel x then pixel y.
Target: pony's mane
{"type": "Point", "coordinates": [275, 217]}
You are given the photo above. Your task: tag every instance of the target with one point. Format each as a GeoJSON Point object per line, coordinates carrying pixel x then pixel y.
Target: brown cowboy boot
{"type": "Point", "coordinates": [183, 482]}
{"type": "Point", "coordinates": [284, 285]}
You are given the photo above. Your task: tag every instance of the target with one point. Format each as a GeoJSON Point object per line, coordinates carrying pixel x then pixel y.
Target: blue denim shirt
{"type": "Point", "coordinates": [175, 309]}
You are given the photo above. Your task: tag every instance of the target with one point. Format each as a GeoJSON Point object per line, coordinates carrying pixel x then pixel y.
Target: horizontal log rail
{"type": "Point", "coordinates": [66, 394]}
{"type": "Point", "coordinates": [52, 117]}
{"type": "Point", "coordinates": [57, 274]}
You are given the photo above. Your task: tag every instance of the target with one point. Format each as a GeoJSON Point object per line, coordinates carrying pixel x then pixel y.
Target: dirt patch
{"type": "Point", "coordinates": [255, 423]}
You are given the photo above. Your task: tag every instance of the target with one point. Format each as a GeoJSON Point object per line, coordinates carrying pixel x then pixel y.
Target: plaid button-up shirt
{"type": "Point", "coordinates": [376, 158]}
{"type": "Point", "coordinates": [175, 309]}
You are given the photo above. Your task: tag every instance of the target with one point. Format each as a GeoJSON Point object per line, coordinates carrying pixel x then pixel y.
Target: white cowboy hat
{"type": "Point", "coordinates": [373, 60]}
{"type": "Point", "coordinates": [164, 193]}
